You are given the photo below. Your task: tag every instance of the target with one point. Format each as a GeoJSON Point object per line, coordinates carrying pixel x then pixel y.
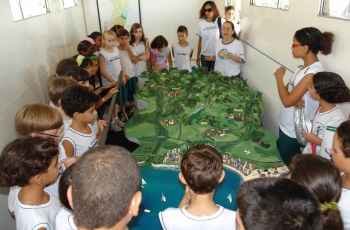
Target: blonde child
{"type": "Point", "coordinates": [28, 165]}
{"type": "Point", "coordinates": [110, 68]}
{"type": "Point", "coordinates": [182, 51]}
{"type": "Point", "coordinates": [341, 159]}
{"type": "Point", "coordinates": [329, 89]}
{"type": "Point", "coordinates": [160, 54]}
{"type": "Point", "coordinates": [141, 46]}
{"type": "Point", "coordinates": [128, 59]}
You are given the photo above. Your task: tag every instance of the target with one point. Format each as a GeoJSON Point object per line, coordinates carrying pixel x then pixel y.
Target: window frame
{"type": "Point", "coordinates": [17, 9]}
{"type": "Point", "coordinates": [279, 2]}
{"type": "Point", "coordinates": [322, 12]}
{"type": "Point", "coordinates": [63, 7]}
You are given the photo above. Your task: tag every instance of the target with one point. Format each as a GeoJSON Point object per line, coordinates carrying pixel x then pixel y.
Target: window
{"type": "Point", "coordinates": [278, 4]}
{"type": "Point", "coordinates": [68, 3]}
{"type": "Point", "coordinates": [228, 3]}
{"type": "Point", "coordinates": [22, 9]}
{"type": "Point", "coordinates": [335, 8]}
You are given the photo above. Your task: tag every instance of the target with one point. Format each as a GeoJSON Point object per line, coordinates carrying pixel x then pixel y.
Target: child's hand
{"type": "Point", "coordinates": [110, 93]}
{"type": "Point", "coordinates": [69, 161]}
{"type": "Point", "coordinates": [142, 57]}
{"type": "Point", "coordinates": [109, 85]}
{"type": "Point", "coordinates": [280, 72]}
{"type": "Point", "coordinates": [300, 104]}
{"type": "Point", "coordinates": [157, 68]}
{"type": "Point", "coordinates": [127, 77]}
{"type": "Point", "coordinates": [101, 125]}
{"type": "Point", "coordinates": [310, 137]}
{"type": "Point", "coordinates": [198, 62]}
{"type": "Point", "coordinates": [123, 80]}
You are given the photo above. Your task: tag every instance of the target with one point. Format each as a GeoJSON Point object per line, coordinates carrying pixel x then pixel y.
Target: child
{"type": "Point", "coordinates": [230, 16]}
{"type": "Point", "coordinates": [64, 219]}
{"type": "Point", "coordinates": [182, 51]}
{"type": "Point", "coordinates": [55, 88]}
{"type": "Point", "coordinates": [101, 203]}
{"type": "Point", "coordinates": [127, 59]}
{"type": "Point", "coordinates": [160, 57]}
{"type": "Point", "coordinates": [276, 203]}
{"type": "Point", "coordinates": [201, 171]}
{"type": "Point", "coordinates": [80, 75]}
{"type": "Point", "coordinates": [85, 48]}
{"type": "Point", "coordinates": [141, 47]}
{"type": "Point", "coordinates": [79, 103]}
{"type": "Point", "coordinates": [323, 179]}
{"type": "Point", "coordinates": [64, 65]}
{"type": "Point", "coordinates": [110, 68]}
{"type": "Point", "coordinates": [329, 89]}
{"type": "Point", "coordinates": [229, 52]}
{"type": "Point", "coordinates": [30, 164]}
{"type": "Point", "coordinates": [307, 42]}
{"type": "Point", "coordinates": [97, 37]}
{"type": "Point", "coordinates": [341, 159]}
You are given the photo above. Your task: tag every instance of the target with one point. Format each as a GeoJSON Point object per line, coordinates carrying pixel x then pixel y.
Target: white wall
{"type": "Point", "coordinates": [271, 31]}
{"type": "Point", "coordinates": [30, 50]}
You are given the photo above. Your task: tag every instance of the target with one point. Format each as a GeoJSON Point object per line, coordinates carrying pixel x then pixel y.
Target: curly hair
{"type": "Point", "coordinates": [331, 87]}
{"type": "Point", "coordinates": [315, 40]}
{"type": "Point", "coordinates": [24, 158]}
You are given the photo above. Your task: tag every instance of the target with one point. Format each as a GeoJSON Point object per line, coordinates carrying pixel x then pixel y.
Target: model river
{"type": "Point", "coordinates": [165, 181]}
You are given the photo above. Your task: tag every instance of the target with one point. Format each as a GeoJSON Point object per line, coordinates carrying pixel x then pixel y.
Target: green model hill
{"type": "Point", "coordinates": [201, 107]}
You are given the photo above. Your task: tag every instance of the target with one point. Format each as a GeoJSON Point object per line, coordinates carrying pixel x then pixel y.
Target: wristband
{"type": "Point", "coordinates": [103, 99]}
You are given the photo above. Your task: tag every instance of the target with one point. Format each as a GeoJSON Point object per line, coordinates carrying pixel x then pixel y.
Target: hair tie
{"type": "Point", "coordinates": [331, 205]}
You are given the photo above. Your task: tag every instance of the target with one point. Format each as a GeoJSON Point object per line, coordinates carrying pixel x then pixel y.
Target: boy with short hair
{"type": "Point", "coordinates": [277, 203]}
{"type": "Point", "coordinates": [101, 203]}
{"type": "Point", "coordinates": [201, 171]}
{"type": "Point", "coordinates": [79, 103]}
{"type": "Point", "coordinates": [182, 51]}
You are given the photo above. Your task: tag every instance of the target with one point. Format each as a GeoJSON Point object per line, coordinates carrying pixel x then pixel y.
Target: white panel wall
{"type": "Point", "coordinates": [31, 49]}
{"type": "Point", "coordinates": [271, 31]}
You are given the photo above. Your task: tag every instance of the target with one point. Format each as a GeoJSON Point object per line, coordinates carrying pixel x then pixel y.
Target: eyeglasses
{"type": "Point", "coordinates": [208, 10]}
{"type": "Point", "coordinates": [296, 45]}
{"type": "Point", "coordinates": [59, 135]}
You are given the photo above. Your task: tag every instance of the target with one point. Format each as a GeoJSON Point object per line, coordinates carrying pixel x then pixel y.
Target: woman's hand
{"type": "Point", "coordinates": [209, 58]}
{"type": "Point", "coordinates": [280, 72]}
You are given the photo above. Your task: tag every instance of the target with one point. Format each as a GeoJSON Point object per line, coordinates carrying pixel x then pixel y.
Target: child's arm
{"type": "Point", "coordinates": [101, 125]}
{"type": "Point", "coordinates": [68, 148]}
{"type": "Point", "coordinates": [145, 56]}
{"type": "Point", "coordinates": [101, 61]}
{"type": "Point", "coordinates": [312, 138]}
{"type": "Point", "coordinates": [170, 60]}
{"type": "Point", "coordinates": [172, 50]}
{"type": "Point", "coordinates": [103, 87]}
{"type": "Point", "coordinates": [198, 61]}
{"type": "Point", "coordinates": [191, 54]}
{"type": "Point", "coordinates": [156, 67]}
{"type": "Point", "coordinates": [186, 199]}
{"type": "Point", "coordinates": [69, 161]}
{"type": "Point", "coordinates": [134, 59]}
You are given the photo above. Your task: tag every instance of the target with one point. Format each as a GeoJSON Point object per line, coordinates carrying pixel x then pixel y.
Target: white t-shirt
{"type": "Point", "coordinates": [209, 32]}
{"type": "Point", "coordinates": [81, 142]}
{"type": "Point", "coordinates": [160, 58]}
{"type": "Point", "coordinates": [112, 64]}
{"type": "Point", "coordinates": [125, 61]}
{"type": "Point", "coordinates": [176, 218]}
{"type": "Point", "coordinates": [344, 207]}
{"type": "Point", "coordinates": [327, 142]}
{"type": "Point", "coordinates": [228, 67]}
{"type": "Point", "coordinates": [140, 66]}
{"type": "Point", "coordinates": [64, 220]}
{"type": "Point", "coordinates": [287, 114]}
{"type": "Point", "coordinates": [182, 55]}
{"type": "Point", "coordinates": [36, 216]}
{"type": "Point", "coordinates": [319, 125]}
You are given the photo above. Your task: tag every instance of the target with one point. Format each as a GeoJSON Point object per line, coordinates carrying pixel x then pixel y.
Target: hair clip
{"type": "Point", "coordinates": [331, 205]}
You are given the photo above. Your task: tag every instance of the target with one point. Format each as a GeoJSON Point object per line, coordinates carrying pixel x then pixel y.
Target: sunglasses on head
{"type": "Point", "coordinates": [208, 10]}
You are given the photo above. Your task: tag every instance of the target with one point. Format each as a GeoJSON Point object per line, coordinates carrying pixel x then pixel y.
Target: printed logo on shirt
{"type": "Point", "coordinates": [210, 28]}
{"type": "Point", "coordinates": [222, 53]}
{"type": "Point", "coordinates": [114, 58]}
{"type": "Point", "coordinates": [140, 54]}
{"type": "Point", "coordinates": [181, 53]}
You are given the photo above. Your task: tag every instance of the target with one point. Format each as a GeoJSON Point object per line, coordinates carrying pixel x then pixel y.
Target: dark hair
{"type": "Point", "coordinates": [78, 74]}
{"type": "Point", "coordinates": [122, 32]}
{"type": "Point", "coordinates": [64, 183]}
{"type": "Point", "coordinates": [24, 158]}
{"type": "Point", "coordinates": [56, 86]}
{"type": "Point", "coordinates": [115, 28]}
{"type": "Point", "coordinates": [277, 203]}
{"type": "Point", "coordinates": [85, 46]}
{"type": "Point", "coordinates": [343, 133]}
{"type": "Point", "coordinates": [64, 65]}
{"type": "Point", "coordinates": [331, 87]}
{"type": "Point", "coordinates": [37, 117]}
{"type": "Point", "coordinates": [227, 8]}
{"type": "Point", "coordinates": [158, 42]}
{"type": "Point", "coordinates": [234, 35]}
{"type": "Point", "coordinates": [182, 29]}
{"type": "Point", "coordinates": [201, 166]}
{"type": "Point", "coordinates": [323, 179]}
{"type": "Point", "coordinates": [134, 27]}
{"type": "Point", "coordinates": [104, 181]}
{"type": "Point", "coordinates": [94, 35]}
{"type": "Point", "coordinates": [315, 40]}
{"type": "Point", "coordinates": [86, 62]}
{"type": "Point", "coordinates": [215, 10]}
{"type": "Point", "coordinates": [77, 99]}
